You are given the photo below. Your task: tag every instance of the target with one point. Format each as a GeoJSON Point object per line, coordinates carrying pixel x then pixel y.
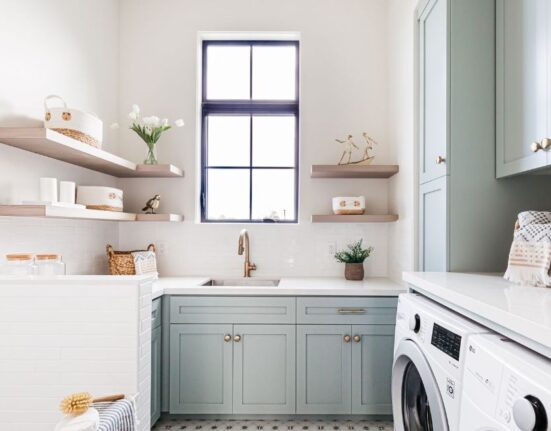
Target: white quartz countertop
{"type": "Point", "coordinates": [288, 286]}
{"type": "Point", "coordinates": [518, 312]}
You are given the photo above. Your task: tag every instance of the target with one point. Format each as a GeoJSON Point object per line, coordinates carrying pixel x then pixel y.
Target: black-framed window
{"type": "Point", "coordinates": [249, 133]}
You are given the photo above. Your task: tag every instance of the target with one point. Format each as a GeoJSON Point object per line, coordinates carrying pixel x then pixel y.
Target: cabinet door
{"type": "Point", "coordinates": [155, 375]}
{"type": "Point", "coordinates": [200, 368]}
{"type": "Point", "coordinates": [264, 369]}
{"type": "Point", "coordinates": [372, 357]}
{"type": "Point", "coordinates": [433, 89]}
{"type": "Point", "coordinates": [433, 226]}
{"type": "Point", "coordinates": [323, 369]}
{"type": "Point", "coordinates": [521, 84]}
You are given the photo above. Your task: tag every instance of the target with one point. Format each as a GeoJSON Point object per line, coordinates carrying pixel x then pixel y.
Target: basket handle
{"type": "Point", "coordinates": [151, 247]}
{"type": "Point", "coordinates": [110, 251]}
{"type": "Point", "coordinates": [54, 96]}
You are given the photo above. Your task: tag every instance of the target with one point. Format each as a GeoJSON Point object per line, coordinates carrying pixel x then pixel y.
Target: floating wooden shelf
{"type": "Point", "coordinates": [159, 217]}
{"type": "Point", "coordinates": [366, 218]}
{"type": "Point", "coordinates": [353, 171]}
{"type": "Point", "coordinates": [52, 144]}
{"type": "Point", "coordinates": [77, 213]}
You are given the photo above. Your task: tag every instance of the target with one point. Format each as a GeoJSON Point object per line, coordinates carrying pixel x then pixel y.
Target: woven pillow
{"type": "Point", "coordinates": [526, 218]}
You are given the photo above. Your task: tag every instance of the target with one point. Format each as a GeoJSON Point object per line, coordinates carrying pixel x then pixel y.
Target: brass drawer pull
{"type": "Point", "coordinates": [357, 338]}
{"type": "Point", "coordinates": [347, 338]}
{"type": "Point", "coordinates": [227, 338]}
{"type": "Point", "coordinates": [237, 338]}
{"type": "Point", "coordinates": [351, 310]}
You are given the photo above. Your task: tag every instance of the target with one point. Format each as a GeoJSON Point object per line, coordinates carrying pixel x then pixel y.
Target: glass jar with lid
{"type": "Point", "coordinates": [18, 264]}
{"type": "Point", "coordinates": [49, 264]}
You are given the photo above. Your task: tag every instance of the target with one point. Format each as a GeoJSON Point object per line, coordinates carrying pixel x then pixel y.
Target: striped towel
{"type": "Point", "coordinates": [530, 255]}
{"type": "Point", "coordinates": [117, 416]}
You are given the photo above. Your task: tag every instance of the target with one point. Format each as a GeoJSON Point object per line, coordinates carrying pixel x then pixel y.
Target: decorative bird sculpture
{"type": "Point", "coordinates": [152, 204]}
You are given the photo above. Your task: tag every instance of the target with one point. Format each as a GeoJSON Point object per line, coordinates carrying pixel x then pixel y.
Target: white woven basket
{"type": "Point", "coordinates": [82, 126]}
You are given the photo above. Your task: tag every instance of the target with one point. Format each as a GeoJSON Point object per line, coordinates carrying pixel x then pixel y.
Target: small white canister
{"type": "Point", "coordinates": [48, 189]}
{"type": "Point", "coordinates": [354, 205]}
{"type": "Point", "coordinates": [67, 192]}
{"type": "Point", "coordinates": [100, 198]}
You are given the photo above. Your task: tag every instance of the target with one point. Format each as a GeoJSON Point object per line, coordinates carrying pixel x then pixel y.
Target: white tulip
{"type": "Point", "coordinates": [179, 123]}
{"type": "Point", "coordinates": [151, 121]}
{"type": "Point", "coordinates": [136, 109]}
{"type": "Point", "coordinates": [165, 122]}
{"type": "Point", "coordinates": [114, 126]}
{"type": "Point", "coordinates": [133, 116]}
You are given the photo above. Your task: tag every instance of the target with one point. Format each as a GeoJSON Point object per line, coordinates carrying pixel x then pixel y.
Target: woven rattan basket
{"type": "Point", "coordinates": [122, 262]}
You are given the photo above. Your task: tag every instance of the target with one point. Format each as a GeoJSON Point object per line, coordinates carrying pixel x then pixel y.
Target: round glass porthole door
{"type": "Point", "coordinates": [415, 405]}
{"type": "Point", "coordinates": [416, 401]}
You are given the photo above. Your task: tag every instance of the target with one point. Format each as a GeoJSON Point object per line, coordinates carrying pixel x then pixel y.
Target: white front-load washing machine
{"type": "Point", "coordinates": [429, 351]}
{"type": "Point", "coordinates": [505, 387]}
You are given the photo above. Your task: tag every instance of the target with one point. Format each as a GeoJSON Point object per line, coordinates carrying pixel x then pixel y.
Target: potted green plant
{"type": "Point", "coordinates": [353, 258]}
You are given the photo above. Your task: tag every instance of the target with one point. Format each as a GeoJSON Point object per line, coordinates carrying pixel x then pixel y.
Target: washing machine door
{"type": "Point", "coordinates": [416, 401]}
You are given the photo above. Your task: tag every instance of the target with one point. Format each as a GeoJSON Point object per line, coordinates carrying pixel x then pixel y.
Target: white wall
{"type": "Point", "coordinates": [401, 132]}
{"type": "Point", "coordinates": [71, 49]}
{"type": "Point", "coordinates": [344, 90]}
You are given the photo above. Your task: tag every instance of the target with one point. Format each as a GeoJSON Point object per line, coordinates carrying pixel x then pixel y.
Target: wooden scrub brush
{"type": "Point", "coordinates": [79, 403]}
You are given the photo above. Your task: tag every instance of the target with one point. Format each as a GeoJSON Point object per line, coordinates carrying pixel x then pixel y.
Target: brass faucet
{"type": "Point", "coordinates": [245, 247]}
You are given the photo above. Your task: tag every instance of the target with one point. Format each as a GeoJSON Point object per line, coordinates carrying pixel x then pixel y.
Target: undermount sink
{"type": "Point", "coordinates": [242, 282]}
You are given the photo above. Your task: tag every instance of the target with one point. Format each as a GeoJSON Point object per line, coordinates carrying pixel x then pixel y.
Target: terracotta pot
{"type": "Point", "coordinates": [354, 271]}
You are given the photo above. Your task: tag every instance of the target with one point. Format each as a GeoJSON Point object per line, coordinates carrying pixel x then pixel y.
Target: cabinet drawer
{"type": "Point", "coordinates": [329, 310]}
{"type": "Point", "coordinates": [156, 313]}
{"type": "Point", "coordinates": [231, 309]}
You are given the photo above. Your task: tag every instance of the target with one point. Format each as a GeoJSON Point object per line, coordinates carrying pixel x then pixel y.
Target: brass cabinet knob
{"type": "Point", "coordinates": [227, 338]}
{"type": "Point", "coordinates": [237, 338]}
{"type": "Point", "coordinates": [535, 147]}
{"type": "Point", "coordinates": [440, 160]}
{"type": "Point", "coordinates": [347, 338]}
{"type": "Point", "coordinates": [357, 338]}
{"type": "Point", "coordinates": [544, 144]}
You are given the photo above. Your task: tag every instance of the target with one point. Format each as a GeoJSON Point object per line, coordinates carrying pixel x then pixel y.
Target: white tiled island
{"type": "Point", "coordinates": [72, 334]}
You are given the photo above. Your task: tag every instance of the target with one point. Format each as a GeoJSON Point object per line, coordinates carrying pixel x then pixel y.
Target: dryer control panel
{"type": "Point", "coordinates": [446, 341]}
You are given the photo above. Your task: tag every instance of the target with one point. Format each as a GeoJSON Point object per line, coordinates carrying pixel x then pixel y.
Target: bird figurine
{"type": "Point", "coordinates": [152, 204]}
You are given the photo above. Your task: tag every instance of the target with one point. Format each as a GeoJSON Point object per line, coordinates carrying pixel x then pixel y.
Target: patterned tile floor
{"type": "Point", "coordinates": [175, 423]}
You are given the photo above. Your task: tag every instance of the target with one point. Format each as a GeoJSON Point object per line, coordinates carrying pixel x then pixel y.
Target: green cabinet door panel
{"type": "Point", "coordinates": [155, 374]}
{"type": "Point", "coordinates": [200, 369]}
{"type": "Point", "coordinates": [372, 358]}
{"type": "Point", "coordinates": [264, 369]}
{"type": "Point", "coordinates": [323, 369]}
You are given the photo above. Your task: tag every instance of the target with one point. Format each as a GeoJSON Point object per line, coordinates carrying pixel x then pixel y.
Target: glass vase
{"type": "Point", "coordinates": [151, 158]}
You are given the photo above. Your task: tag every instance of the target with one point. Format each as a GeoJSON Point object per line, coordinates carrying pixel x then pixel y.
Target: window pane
{"type": "Point", "coordinates": [228, 194]}
{"type": "Point", "coordinates": [228, 140]}
{"type": "Point", "coordinates": [228, 72]}
{"type": "Point", "coordinates": [274, 72]}
{"type": "Point", "coordinates": [274, 141]}
{"type": "Point", "coordinates": [273, 194]}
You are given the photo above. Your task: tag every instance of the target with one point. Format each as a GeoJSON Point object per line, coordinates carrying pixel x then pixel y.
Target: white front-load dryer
{"type": "Point", "coordinates": [429, 352]}
{"type": "Point", "coordinates": [505, 387]}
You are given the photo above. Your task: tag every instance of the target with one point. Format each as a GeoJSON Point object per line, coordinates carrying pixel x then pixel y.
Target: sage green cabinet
{"type": "Point", "coordinates": [324, 362]}
{"type": "Point", "coordinates": [523, 90]}
{"type": "Point", "coordinates": [155, 375]}
{"type": "Point", "coordinates": [344, 369]}
{"type": "Point", "coordinates": [156, 354]}
{"type": "Point", "coordinates": [264, 369]}
{"type": "Point", "coordinates": [372, 359]}
{"type": "Point", "coordinates": [201, 368]}
{"type": "Point", "coordinates": [225, 368]}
